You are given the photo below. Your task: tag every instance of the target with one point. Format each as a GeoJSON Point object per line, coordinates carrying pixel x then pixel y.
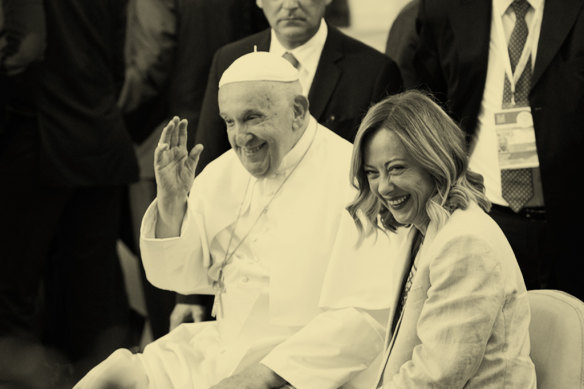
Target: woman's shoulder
{"type": "Point", "coordinates": [475, 226]}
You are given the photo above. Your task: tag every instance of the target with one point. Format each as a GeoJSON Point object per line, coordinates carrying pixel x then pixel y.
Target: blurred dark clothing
{"type": "Point", "coordinates": [82, 133]}
{"type": "Point", "coordinates": [402, 41]}
{"type": "Point", "coordinates": [350, 76]}
{"type": "Point", "coordinates": [169, 48]}
{"type": "Point", "coordinates": [22, 46]}
{"type": "Point", "coordinates": [64, 157]}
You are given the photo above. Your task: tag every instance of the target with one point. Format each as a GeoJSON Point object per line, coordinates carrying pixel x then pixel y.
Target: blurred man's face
{"type": "Point", "coordinates": [261, 124]}
{"type": "Point", "coordinates": [294, 21]}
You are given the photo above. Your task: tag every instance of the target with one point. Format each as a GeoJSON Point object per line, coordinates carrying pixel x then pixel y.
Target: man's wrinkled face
{"type": "Point", "coordinates": [294, 21]}
{"type": "Point", "coordinates": [260, 124]}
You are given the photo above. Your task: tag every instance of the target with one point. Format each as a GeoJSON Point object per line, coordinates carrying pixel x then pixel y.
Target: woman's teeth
{"type": "Point", "coordinates": [397, 201]}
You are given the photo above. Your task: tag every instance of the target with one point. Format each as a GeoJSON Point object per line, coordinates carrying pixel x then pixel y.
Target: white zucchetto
{"type": "Point", "coordinates": [259, 66]}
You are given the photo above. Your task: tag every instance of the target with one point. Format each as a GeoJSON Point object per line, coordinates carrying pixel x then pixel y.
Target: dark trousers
{"type": "Point", "coordinates": [530, 240]}
{"type": "Point", "coordinates": [60, 276]}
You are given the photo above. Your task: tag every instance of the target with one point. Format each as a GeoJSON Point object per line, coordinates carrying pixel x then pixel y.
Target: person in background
{"type": "Point", "coordinates": [340, 75]}
{"type": "Point", "coordinates": [460, 311]}
{"type": "Point", "coordinates": [65, 157]}
{"type": "Point", "coordinates": [402, 42]}
{"type": "Point", "coordinates": [510, 72]}
{"type": "Point", "coordinates": [257, 228]}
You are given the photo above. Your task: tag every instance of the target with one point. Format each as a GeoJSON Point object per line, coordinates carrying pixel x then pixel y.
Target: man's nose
{"type": "Point", "coordinates": [290, 4]}
{"type": "Point", "coordinates": [242, 137]}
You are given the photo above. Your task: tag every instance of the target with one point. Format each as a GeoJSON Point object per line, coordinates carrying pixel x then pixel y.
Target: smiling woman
{"type": "Point", "coordinates": [460, 283]}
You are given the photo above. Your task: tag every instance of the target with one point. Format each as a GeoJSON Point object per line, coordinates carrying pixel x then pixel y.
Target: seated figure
{"type": "Point", "coordinates": [258, 228]}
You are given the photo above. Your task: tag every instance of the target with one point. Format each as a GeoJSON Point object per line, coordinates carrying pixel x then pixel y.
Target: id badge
{"type": "Point", "coordinates": [516, 139]}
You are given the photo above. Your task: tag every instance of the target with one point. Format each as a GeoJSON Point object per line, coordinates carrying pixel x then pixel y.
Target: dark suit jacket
{"type": "Point", "coordinates": [452, 61]}
{"type": "Point", "coordinates": [83, 138]}
{"type": "Point", "coordinates": [402, 41]}
{"type": "Point", "coordinates": [349, 78]}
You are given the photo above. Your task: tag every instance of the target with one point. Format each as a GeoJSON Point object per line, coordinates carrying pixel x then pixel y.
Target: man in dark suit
{"type": "Point", "coordinates": [343, 76]}
{"type": "Point", "coordinates": [64, 159]}
{"type": "Point", "coordinates": [462, 57]}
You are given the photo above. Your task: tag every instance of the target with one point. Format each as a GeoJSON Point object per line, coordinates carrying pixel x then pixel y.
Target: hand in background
{"type": "Point", "coordinates": [185, 313]}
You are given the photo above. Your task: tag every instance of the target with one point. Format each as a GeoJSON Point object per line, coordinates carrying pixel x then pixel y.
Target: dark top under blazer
{"type": "Point", "coordinates": [350, 77]}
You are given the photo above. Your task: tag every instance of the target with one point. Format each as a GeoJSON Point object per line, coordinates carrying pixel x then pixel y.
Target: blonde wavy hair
{"type": "Point", "coordinates": [432, 138]}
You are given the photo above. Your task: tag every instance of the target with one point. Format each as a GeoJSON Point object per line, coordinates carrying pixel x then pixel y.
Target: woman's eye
{"type": "Point", "coordinates": [396, 169]}
{"type": "Point", "coordinates": [370, 174]}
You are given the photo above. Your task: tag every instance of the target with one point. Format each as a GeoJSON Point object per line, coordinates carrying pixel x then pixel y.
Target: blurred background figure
{"type": "Point", "coordinates": [511, 73]}
{"type": "Point", "coordinates": [65, 158]}
{"type": "Point", "coordinates": [402, 40]}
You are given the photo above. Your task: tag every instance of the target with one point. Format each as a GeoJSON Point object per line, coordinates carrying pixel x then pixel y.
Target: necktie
{"type": "Point", "coordinates": [517, 184]}
{"type": "Point", "coordinates": [292, 59]}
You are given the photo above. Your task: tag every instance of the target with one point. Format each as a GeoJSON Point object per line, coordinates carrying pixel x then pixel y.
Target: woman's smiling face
{"type": "Point", "coordinates": [400, 183]}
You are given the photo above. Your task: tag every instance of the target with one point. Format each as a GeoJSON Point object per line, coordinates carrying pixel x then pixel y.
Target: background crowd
{"type": "Point", "coordinates": [86, 88]}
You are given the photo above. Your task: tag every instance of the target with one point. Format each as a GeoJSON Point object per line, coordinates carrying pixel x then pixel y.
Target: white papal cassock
{"type": "Point", "coordinates": [298, 298]}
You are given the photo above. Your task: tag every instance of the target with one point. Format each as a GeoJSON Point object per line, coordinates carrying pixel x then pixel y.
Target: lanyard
{"type": "Point", "coordinates": [513, 77]}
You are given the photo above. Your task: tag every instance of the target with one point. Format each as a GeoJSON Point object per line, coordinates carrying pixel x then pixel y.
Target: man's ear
{"type": "Point", "coordinates": [260, 3]}
{"type": "Point", "coordinates": [300, 107]}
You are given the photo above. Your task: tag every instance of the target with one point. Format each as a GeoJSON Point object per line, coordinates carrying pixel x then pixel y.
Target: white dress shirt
{"type": "Point", "coordinates": [308, 55]}
{"type": "Point", "coordinates": [484, 157]}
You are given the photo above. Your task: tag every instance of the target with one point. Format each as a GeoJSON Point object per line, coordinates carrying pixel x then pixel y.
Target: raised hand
{"type": "Point", "coordinates": [173, 165]}
{"type": "Point", "coordinates": [174, 168]}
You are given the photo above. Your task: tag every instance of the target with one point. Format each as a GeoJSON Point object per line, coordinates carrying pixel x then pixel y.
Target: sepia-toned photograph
{"type": "Point", "coordinates": [293, 194]}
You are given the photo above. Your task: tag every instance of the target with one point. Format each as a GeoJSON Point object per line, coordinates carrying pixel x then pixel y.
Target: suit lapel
{"type": "Point", "coordinates": [404, 252]}
{"type": "Point", "coordinates": [558, 19]}
{"type": "Point", "coordinates": [401, 255]}
{"type": "Point", "coordinates": [327, 74]}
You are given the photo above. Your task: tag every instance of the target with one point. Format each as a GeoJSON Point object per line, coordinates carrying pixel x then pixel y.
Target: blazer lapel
{"type": "Point", "coordinates": [327, 74]}
{"type": "Point", "coordinates": [401, 255]}
{"type": "Point", "coordinates": [558, 19]}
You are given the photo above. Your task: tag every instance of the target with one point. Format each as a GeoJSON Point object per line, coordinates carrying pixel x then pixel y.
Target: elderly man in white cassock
{"type": "Point", "coordinates": [262, 228]}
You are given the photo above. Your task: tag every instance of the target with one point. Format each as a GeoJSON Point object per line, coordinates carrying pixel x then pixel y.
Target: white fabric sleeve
{"type": "Point", "coordinates": [330, 350]}
{"type": "Point", "coordinates": [180, 263]}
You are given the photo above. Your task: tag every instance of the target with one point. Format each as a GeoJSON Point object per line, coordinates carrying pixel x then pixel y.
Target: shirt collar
{"type": "Point", "coordinates": [307, 54]}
